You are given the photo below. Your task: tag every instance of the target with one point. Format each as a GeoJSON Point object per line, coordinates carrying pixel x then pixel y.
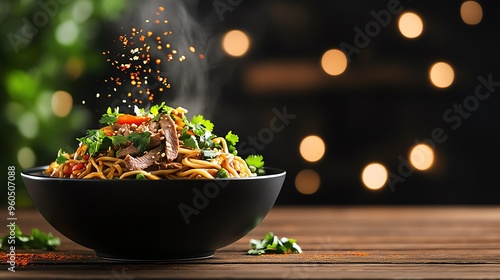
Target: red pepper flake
{"type": "Point", "coordinates": [24, 259]}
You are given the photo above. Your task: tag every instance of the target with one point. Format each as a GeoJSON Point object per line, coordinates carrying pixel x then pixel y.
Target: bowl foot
{"type": "Point", "coordinates": [165, 258]}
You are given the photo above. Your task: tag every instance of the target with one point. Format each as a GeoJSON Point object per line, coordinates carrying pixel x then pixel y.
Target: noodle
{"type": "Point", "coordinates": [167, 158]}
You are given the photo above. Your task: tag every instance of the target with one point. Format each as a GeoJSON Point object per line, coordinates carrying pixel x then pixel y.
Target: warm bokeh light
{"type": "Point", "coordinates": [422, 157]}
{"type": "Point", "coordinates": [374, 176]}
{"type": "Point", "coordinates": [410, 25]}
{"type": "Point", "coordinates": [441, 75]}
{"type": "Point", "coordinates": [312, 148]}
{"type": "Point", "coordinates": [307, 181]}
{"type": "Point", "coordinates": [471, 12]}
{"type": "Point", "coordinates": [334, 62]}
{"type": "Point", "coordinates": [236, 43]}
{"type": "Point", "coordinates": [62, 103]}
{"type": "Point", "coordinates": [75, 67]}
{"type": "Point", "coordinates": [26, 157]}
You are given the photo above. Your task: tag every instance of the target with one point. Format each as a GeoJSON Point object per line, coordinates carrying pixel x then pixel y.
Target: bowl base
{"type": "Point", "coordinates": [191, 257]}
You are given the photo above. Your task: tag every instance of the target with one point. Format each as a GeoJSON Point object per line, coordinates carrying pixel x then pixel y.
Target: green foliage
{"type": "Point", "coordinates": [36, 64]}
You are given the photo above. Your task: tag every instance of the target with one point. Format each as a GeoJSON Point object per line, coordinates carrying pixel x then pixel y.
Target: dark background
{"type": "Point", "coordinates": [375, 111]}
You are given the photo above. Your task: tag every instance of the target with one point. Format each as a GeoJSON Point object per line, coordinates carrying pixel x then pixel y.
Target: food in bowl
{"type": "Point", "coordinates": [154, 144]}
{"type": "Point", "coordinates": [154, 186]}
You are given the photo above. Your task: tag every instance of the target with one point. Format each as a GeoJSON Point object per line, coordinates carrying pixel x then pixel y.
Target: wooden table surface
{"type": "Point", "coordinates": [363, 242]}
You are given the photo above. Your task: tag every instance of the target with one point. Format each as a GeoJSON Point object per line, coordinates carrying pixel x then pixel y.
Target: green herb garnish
{"type": "Point", "coordinates": [231, 140]}
{"type": "Point", "coordinates": [256, 164]}
{"type": "Point", "coordinates": [110, 117]}
{"type": "Point", "coordinates": [271, 244]}
{"type": "Point", "coordinates": [37, 240]}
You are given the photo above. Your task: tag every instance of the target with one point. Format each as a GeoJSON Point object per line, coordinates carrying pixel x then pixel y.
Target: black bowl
{"type": "Point", "coordinates": [145, 220]}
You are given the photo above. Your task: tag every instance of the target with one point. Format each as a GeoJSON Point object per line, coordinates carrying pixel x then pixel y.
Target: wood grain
{"type": "Point", "coordinates": [351, 242]}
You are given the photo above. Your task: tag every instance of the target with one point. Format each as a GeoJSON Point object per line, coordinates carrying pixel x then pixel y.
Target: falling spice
{"type": "Point", "coordinates": [136, 63]}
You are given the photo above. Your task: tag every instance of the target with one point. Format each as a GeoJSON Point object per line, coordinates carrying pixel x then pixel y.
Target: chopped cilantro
{"type": "Point", "coordinates": [274, 245]}
{"type": "Point", "coordinates": [140, 140]}
{"type": "Point", "coordinates": [199, 119]}
{"type": "Point", "coordinates": [110, 117]}
{"type": "Point", "coordinates": [255, 160]}
{"type": "Point", "coordinates": [190, 141]}
{"type": "Point", "coordinates": [93, 140]}
{"type": "Point", "coordinates": [231, 140]}
{"type": "Point", "coordinates": [37, 240]}
{"type": "Point", "coordinates": [60, 157]}
{"type": "Point", "coordinates": [96, 140]}
{"type": "Point", "coordinates": [256, 164]}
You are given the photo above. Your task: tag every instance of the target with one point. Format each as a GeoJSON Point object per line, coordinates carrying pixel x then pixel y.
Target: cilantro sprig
{"type": "Point", "coordinates": [37, 240]}
{"type": "Point", "coordinates": [111, 116]}
{"type": "Point", "coordinates": [271, 244]}
{"type": "Point", "coordinates": [256, 164]}
{"type": "Point", "coordinates": [97, 140]}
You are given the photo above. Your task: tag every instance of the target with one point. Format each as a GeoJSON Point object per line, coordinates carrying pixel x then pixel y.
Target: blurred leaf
{"type": "Point", "coordinates": [21, 86]}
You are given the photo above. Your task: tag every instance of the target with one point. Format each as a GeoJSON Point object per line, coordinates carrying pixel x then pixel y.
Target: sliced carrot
{"type": "Point", "coordinates": [131, 119]}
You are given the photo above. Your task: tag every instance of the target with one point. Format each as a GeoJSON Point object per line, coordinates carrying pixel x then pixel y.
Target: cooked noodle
{"type": "Point", "coordinates": [189, 163]}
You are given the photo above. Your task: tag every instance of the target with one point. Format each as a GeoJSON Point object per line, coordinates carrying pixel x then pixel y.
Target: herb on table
{"type": "Point", "coordinates": [271, 244]}
{"type": "Point", "coordinates": [37, 240]}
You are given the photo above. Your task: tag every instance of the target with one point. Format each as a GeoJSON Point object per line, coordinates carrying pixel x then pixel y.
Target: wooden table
{"type": "Point", "coordinates": [370, 242]}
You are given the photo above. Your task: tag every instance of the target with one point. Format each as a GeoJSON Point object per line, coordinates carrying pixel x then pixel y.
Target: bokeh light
{"type": "Point", "coordinates": [312, 148]}
{"type": "Point", "coordinates": [374, 176]}
{"type": "Point", "coordinates": [334, 62]}
{"type": "Point", "coordinates": [236, 43]}
{"type": "Point", "coordinates": [82, 10]}
{"type": "Point", "coordinates": [441, 75]}
{"type": "Point", "coordinates": [410, 25]}
{"type": "Point", "coordinates": [26, 157]}
{"type": "Point", "coordinates": [307, 181]}
{"type": "Point", "coordinates": [62, 103]}
{"type": "Point", "coordinates": [67, 33]}
{"type": "Point", "coordinates": [471, 12]}
{"type": "Point", "coordinates": [422, 156]}
{"type": "Point", "coordinates": [28, 125]}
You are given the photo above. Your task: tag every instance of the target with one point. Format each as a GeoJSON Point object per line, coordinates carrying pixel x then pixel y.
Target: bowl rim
{"type": "Point", "coordinates": [31, 174]}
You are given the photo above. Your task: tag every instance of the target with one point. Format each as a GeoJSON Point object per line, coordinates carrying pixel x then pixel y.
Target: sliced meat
{"type": "Point", "coordinates": [151, 127]}
{"type": "Point", "coordinates": [171, 140]}
{"type": "Point", "coordinates": [143, 162]}
{"type": "Point", "coordinates": [129, 150]}
{"type": "Point", "coordinates": [122, 129]}
{"type": "Point", "coordinates": [154, 141]}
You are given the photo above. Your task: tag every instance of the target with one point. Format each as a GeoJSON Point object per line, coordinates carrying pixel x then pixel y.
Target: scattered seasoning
{"type": "Point", "coordinates": [24, 259]}
{"type": "Point", "coordinates": [136, 61]}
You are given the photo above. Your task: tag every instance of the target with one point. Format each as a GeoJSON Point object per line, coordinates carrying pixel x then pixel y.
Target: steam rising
{"type": "Point", "coordinates": [191, 84]}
